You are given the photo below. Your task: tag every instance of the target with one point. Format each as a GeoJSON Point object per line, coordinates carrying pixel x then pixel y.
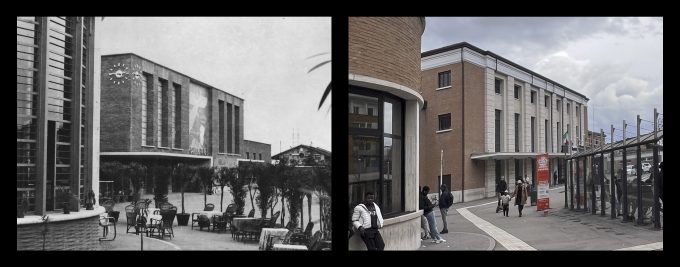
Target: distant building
{"type": "Point", "coordinates": [304, 155]}
{"type": "Point", "coordinates": [594, 140]}
{"type": "Point", "coordinates": [257, 151]}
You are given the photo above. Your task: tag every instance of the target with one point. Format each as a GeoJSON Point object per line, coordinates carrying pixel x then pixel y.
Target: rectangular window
{"type": "Point", "coordinates": [220, 105]}
{"type": "Point", "coordinates": [144, 119]}
{"type": "Point", "coordinates": [519, 171]}
{"type": "Point", "coordinates": [558, 105]}
{"type": "Point", "coordinates": [247, 155]}
{"type": "Point", "coordinates": [533, 97]}
{"type": "Point", "coordinates": [163, 114]}
{"type": "Point", "coordinates": [445, 122]}
{"type": "Point", "coordinates": [499, 170]}
{"type": "Point", "coordinates": [260, 156]}
{"type": "Point", "coordinates": [578, 135]}
{"type": "Point", "coordinates": [497, 85]}
{"type": "Point", "coordinates": [517, 90]}
{"type": "Point", "coordinates": [547, 100]}
{"type": "Point", "coordinates": [237, 127]}
{"type": "Point", "coordinates": [178, 116]}
{"type": "Point", "coordinates": [533, 131]}
{"type": "Point", "coordinates": [498, 130]}
{"type": "Point", "coordinates": [516, 132]}
{"type": "Point", "coordinates": [445, 79]}
{"type": "Point", "coordinates": [370, 111]}
{"type": "Point", "coordinates": [230, 128]}
{"type": "Point", "coordinates": [568, 108]}
{"type": "Point", "coordinates": [560, 132]}
{"type": "Point", "coordinates": [149, 109]}
{"type": "Point", "coordinates": [547, 134]}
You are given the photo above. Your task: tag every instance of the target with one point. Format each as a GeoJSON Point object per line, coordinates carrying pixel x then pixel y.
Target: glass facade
{"type": "Point", "coordinates": [53, 65]}
{"type": "Point", "coordinates": [376, 153]}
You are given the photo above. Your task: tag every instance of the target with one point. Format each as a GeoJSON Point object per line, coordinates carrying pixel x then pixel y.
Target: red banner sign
{"type": "Point", "coordinates": [543, 174]}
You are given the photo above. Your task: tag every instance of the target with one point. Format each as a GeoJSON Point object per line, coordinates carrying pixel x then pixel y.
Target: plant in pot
{"type": "Point", "coordinates": [63, 197]}
{"type": "Point", "coordinates": [160, 180]}
{"type": "Point", "coordinates": [22, 206]}
{"type": "Point", "coordinates": [90, 200]}
{"type": "Point", "coordinates": [184, 174]}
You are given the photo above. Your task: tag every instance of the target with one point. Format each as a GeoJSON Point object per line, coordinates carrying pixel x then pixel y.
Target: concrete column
{"type": "Point", "coordinates": [509, 115]}
{"type": "Point", "coordinates": [489, 111]}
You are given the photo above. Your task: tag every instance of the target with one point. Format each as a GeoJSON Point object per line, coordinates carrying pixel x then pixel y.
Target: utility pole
{"type": "Point", "coordinates": [612, 186]}
{"type": "Point", "coordinates": [638, 166]}
{"type": "Point", "coordinates": [624, 179]}
{"type": "Point", "coordinates": [657, 180]}
{"type": "Point", "coordinates": [601, 174]}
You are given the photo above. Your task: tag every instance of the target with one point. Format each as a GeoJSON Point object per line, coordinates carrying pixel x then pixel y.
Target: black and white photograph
{"type": "Point", "coordinates": [174, 133]}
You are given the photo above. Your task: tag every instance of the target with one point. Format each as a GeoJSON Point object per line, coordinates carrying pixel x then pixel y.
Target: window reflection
{"type": "Point", "coordinates": [363, 112]}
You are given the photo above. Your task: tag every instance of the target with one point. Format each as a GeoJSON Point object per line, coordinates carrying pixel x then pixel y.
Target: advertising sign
{"type": "Point", "coordinates": [198, 120]}
{"type": "Point", "coordinates": [543, 174]}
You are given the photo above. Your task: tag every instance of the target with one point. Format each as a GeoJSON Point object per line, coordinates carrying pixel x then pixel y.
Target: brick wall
{"type": "Point", "coordinates": [80, 234]}
{"type": "Point", "coordinates": [451, 101]}
{"type": "Point", "coordinates": [258, 148]}
{"type": "Point", "coordinates": [386, 48]}
{"type": "Point", "coordinates": [115, 108]}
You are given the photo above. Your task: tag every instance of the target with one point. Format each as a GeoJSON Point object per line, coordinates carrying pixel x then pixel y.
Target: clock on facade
{"type": "Point", "coordinates": [119, 73]}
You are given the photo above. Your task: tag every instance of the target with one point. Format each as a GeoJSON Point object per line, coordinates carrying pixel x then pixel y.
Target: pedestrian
{"type": "Point", "coordinates": [445, 203]}
{"type": "Point", "coordinates": [505, 199]}
{"type": "Point", "coordinates": [520, 196]}
{"type": "Point", "coordinates": [619, 193]}
{"type": "Point", "coordinates": [367, 219]}
{"type": "Point", "coordinates": [426, 205]}
{"type": "Point", "coordinates": [555, 177]}
{"type": "Point", "coordinates": [501, 186]}
{"type": "Point", "coordinates": [424, 228]}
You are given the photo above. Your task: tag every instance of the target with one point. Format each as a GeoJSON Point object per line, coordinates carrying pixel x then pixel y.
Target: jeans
{"type": "Point", "coordinates": [424, 227]}
{"type": "Point", "coordinates": [445, 211]}
{"type": "Point", "coordinates": [434, 233]}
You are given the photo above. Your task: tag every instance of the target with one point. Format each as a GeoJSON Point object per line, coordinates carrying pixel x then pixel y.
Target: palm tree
{"type": "Point", "coordinates": [328, 88]}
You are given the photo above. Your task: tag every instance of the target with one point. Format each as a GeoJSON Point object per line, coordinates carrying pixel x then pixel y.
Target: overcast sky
{"type": "Point", "coordinates": [616, 62]}
{"type": "Point", "coordinates": [265, 61]}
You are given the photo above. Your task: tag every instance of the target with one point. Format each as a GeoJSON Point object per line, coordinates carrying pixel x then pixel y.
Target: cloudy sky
{"type": "Point", "coordinates": [616, 62]}
{"type": "Point", "coordinates": [262, 60]}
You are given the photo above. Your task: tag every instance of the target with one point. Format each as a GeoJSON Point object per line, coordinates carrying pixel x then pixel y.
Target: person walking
{"type": "Point", "coordinates": [505, 199]}
{"type": "Point", "coordinates": [501, 186]}
{"type": "Point", "coordinates": [367, 219]}
{"type": "Point", "coordinates": [427, 206]}
{"type": "Point", "coordinates": [555, 178]}
{"type": "Point", "coordinates": [445, 203]}
{"type": "Point", "coordinates": [520, 195]}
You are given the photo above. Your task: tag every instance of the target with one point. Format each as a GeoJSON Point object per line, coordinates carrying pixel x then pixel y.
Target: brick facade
{"type": "Point", "coordinates": [256, 148]}
{"type": "Point", "coordinates": [450, 100]}
{"type": "Point", "coordinates": [79, 234]}
{"type": "Point", "coordinates": [386, 48]}
{"type": "Point", "coordinates": [122, 111]}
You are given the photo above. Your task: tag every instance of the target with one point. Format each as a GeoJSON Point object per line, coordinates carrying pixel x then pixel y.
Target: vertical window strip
{"type": "Point", "coordinates": [144, 119]}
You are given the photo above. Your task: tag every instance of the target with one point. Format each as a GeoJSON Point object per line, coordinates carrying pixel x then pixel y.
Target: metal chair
{"type": "Point", "coordinates": [105, 222]}
{"type": "Point", "coordinates": [131, 214]}
{"type": "Point", "coordinates": [168, 220]}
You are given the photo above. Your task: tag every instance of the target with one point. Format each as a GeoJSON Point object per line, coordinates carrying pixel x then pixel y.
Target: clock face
{"type": "Point", "coordinates": [118, 73]}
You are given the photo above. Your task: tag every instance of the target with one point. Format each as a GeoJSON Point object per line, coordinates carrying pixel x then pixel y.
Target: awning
{"type": "Point", "coordinates": [512, 155]}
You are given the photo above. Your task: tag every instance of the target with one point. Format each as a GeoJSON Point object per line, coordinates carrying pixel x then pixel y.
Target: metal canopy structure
{"type": "Point", "coordinates": [623, 144]}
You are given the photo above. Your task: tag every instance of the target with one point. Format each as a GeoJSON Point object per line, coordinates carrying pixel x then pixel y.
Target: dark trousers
{"type": "Point", "coordinates": [506, 209]}
{"type": "Point", "coordinates": [373, 240]}
{"type": "Point", "coordinates": [520, 207]}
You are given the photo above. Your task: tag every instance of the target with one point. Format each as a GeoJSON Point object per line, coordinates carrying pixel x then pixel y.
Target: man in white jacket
{"type": "Point", "coordinates": [367, 219]}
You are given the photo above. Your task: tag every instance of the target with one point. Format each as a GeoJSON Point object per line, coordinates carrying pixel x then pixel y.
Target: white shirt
{"type": "Point", "coordinates": [362, 217]}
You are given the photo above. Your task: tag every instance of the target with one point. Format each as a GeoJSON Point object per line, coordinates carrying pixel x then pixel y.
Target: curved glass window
{"type": "Point", "coordinates": [375, 149]}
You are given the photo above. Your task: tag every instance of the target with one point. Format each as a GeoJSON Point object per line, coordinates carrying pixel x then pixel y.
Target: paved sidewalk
{"type": "Point", "coordinates": [558, 229]}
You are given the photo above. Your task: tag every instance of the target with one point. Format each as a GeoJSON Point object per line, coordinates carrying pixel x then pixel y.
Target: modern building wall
{"type": "Point", "coordinates": [384, 61]}
{"type": "Point", "coordinates": [56, 99]}
{"type": "Point", "coordinates": [122, 107]}
{"type": "Point", "coordinates": [470, 145]}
